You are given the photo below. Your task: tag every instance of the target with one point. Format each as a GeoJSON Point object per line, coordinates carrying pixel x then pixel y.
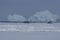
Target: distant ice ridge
{"type": "Point", "coordinates": [32, 27]}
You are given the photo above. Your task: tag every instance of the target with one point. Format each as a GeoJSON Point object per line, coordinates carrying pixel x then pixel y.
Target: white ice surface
{"type": "Point", "coordinates": [30, 27]}
{"type": "Point", "coordinates": [29, 35]}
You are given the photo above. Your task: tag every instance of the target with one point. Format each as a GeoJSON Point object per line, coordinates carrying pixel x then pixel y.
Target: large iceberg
{"type": "Point", "coordinates": [44, 16]}
{"type": "Point", "coordinates": [16, 17]}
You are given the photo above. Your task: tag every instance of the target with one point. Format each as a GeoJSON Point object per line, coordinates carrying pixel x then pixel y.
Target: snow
{"type": "Point", "coordinates": [29, 27]}
{"type": "Point", "coordinates": [16, 17]}
{"type": "Point", "coordinates": [17, 31]}
{"type": "Point", "coordinates": [44, 16]}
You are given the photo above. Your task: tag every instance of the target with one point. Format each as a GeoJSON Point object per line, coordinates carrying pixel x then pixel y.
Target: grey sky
{"type": "Point", "coordinates": [27, 7]}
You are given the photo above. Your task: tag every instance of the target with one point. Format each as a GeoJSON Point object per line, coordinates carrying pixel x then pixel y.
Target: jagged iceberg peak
{"type": "Point", "coordinates": [16, 17]}
{"type": "Point", "coordinates": [44, 16]}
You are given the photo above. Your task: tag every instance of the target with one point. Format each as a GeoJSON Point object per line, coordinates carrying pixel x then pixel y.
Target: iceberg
{"type": "Point", "coordinates": [44, 16]}
{"type": "Point", "coordinates": [16, 17]}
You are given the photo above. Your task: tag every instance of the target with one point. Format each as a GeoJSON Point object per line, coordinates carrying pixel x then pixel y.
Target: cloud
{"type": "Point", "coordinates": [16, 17]}
{"type": "Point", "coordinates": [44, 16]}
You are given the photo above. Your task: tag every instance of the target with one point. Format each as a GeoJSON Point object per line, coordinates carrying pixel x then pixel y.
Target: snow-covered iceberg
{"type": "Point", "coordinates": [44, 16]}
{"type": "Point", "coordinates": [16, 17]}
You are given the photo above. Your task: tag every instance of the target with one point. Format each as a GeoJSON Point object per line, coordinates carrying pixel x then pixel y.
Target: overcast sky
{"type": "Point", "coordinates": [27, 7]}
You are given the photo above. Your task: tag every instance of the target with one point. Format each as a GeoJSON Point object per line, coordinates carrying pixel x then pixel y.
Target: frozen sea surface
{"type": "Point", "coordinates": [32, 35]}
{"type": "Point", "coordinates": [29, 27]}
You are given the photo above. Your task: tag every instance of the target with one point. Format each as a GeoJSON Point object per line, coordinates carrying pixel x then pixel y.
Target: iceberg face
{"type": "Point", "coordinates": [44, 16]}
{"type": "Point", "coordinates": [16, 17]}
